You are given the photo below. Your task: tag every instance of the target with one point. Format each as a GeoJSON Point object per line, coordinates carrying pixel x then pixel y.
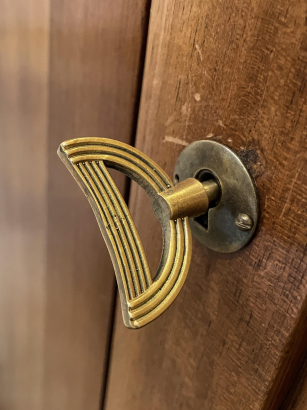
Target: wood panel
{"type": "Point", "coordinates": [24, 44]}
{"type": "Point", "coordinates": [95, 65]}
{"type": "Point", "coordinates": [297, 396]}
{"type": "Point", "coordinates": [67, 69]}
{"type": "Point", "coordinates": [234, 72]}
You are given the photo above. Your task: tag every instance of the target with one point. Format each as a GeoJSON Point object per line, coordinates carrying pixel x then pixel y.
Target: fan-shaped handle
{"type": "Point", "coordinates": [143, 296]}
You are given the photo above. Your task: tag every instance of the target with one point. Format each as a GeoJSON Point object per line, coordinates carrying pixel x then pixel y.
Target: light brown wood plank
{"type": "Point", "coordinates": [67, 69]}
{"type": "Point", "coordinates": [95, 67]}
{"type": "Point", "coordinates": [234, 72]}
{"type": "Point", "coordinates": [24, 45]}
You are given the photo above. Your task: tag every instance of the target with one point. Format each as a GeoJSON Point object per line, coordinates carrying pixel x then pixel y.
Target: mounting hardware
{"type": "Point", "coordinates": [244, 222]}
{"type": "Point", "coordinates": [213, 188]}
{"type": "Point", "coordinates": [230, 221]}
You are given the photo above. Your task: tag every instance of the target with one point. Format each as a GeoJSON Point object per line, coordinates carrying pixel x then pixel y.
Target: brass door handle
{"type": "Point", "coordinates": [143, 296]}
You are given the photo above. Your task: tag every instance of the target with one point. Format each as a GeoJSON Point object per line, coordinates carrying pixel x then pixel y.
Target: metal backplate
{"type": "Point", "coordinates": [231, 223]}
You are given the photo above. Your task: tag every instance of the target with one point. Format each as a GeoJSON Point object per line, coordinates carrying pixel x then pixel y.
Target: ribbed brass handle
{"type": "Point", "coordinates": [143, 296]}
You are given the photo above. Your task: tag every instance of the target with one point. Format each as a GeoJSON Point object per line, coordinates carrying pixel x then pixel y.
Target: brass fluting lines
{"type": "Point", "coordinates": [142, 299]}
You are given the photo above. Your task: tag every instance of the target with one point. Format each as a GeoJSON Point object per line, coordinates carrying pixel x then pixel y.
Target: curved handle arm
{"type": "Point", "coordinates": [143, 299]}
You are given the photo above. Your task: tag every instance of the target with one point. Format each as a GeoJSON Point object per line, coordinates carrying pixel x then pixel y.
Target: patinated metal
{"type": "Point", "coordinates": [218, 229]}
{"type": "Point", "coordinates": [207, 183]}
{"type": "Point", "coordinates": [143, 296]}
{"type": "Point", "coordinates": [188, 198]}
{"type": "Point", "coordinates": [244, 222]}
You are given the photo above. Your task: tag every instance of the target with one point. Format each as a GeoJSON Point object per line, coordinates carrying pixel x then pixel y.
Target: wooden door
{"type": "Point", "coordinates": [233, 72]}
{"type": "Point", "coordinates": [296, 398]}
{"type": "Point", "coordinates": [68, 68]}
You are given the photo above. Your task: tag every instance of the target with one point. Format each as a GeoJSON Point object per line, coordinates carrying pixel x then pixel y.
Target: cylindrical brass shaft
{"type": "Point", "coordinates": [188, 198]}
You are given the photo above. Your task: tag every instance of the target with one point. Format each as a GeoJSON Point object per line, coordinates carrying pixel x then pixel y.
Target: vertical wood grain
{"type": "Point", "coordinates": [297, 396]}
{"type": "Point", "coordinates": [95, 63]}
{"type": "Point", "coordinates": [234, 72]}
{"type": "Point", "coordinates": [24, 45]}
{"type": "Point", "coordinates": [67, 69]}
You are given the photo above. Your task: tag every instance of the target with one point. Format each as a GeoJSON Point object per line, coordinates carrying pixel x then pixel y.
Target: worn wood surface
{"type": "Point", "coordinates": [234, 72]}
{"type": "Point", "coordinates": [67, 69]}
{"type": "Point", "coordinates": [297, 396]}
{"type": "Point", "coordinates": [95, 65]}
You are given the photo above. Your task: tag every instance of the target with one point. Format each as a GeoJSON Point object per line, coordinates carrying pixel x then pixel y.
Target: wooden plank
{"type": "Point", "coordinates": [24, 45]}
{"type": "Point", "coordinates": [67, 69]}
{"type": "Point", "coordinates": [95, 67]}
{"type": "Point", "coordinates": [234, 72]}
{"type": "Point", "coordinates": [297, 396]}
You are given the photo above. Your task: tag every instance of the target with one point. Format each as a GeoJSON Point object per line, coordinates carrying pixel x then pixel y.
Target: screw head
{"type": "Point", "coordinates": [244, 222]}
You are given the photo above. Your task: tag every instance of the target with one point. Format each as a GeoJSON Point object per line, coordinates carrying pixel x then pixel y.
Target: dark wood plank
{"type": "Point", "coordinates": [297, 396]}
{"type": "Point", "coordinates": [234, 72]}
{"type": "Point", "coordinates": [95, 68]}
{"type": "Point", "coordinates": [24, 51]}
